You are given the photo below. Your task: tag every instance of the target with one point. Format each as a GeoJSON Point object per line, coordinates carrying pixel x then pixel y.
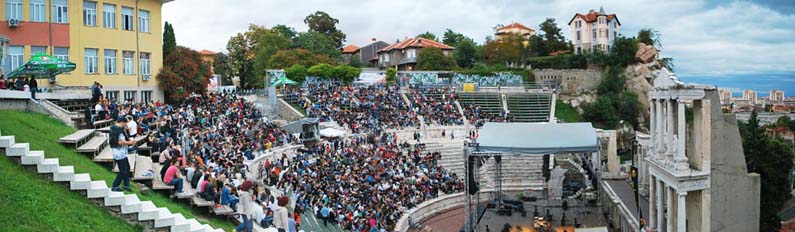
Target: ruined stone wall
{"type": "Point", "coordinates": [572, 81]}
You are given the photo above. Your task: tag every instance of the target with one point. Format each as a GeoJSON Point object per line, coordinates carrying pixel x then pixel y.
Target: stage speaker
{"type": "Point", "coordinates": [473, 185]}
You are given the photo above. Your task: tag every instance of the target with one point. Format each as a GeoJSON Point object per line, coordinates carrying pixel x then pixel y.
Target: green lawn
{"type": "Point", "coordinates": [43, 132]}
{"type": "Point", "coordinates": [32, 203]}
{"type": "Point", "coordinates": [565, 112]}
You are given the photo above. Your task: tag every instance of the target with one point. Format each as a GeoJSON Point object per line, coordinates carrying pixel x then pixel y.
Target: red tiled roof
{"type": "Point", "coordinates": [206, 52]}
{"type": "Point", "coordinates": [418, 43]}
{"type": "Point", "coordinates": [515, 25]}
{"type": "Point", "coordinates": [350, 49]}
{"type": "Point", "coordinates": [592, 17]}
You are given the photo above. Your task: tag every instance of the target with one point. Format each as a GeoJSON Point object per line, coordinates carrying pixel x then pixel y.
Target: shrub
{"type": "Point", "coordinates": [296, 72]}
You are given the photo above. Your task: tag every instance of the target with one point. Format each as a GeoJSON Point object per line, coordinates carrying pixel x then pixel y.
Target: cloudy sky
{"type": "Point", "coordinates": [705, 38]}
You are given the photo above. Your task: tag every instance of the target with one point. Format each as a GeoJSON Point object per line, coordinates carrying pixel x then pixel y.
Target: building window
{"type": "Point", "coordinates": [14, 58]}
{"type": "Point", "coordinates": [143, 21]}
{"type": "Point", "coordinates": [62, 53]}
{"type": "Point", "coordinates": [91, 62]}
{"type": "Point", "coordinates": [412, 53]}
{"type": "Point", "coordinates": [59, 11]}
{"type": "Point", "coordinates": [127, 18]}
{"type": "Point", "coordinates": [615, 34]}
{"type": "Point", "coordinates": [578, 35]}
{"type": "Point", "coordinates": [108, 15]}
{"type": "Point", "coordinates": [145, 66]}
{"type": "Point", "coordinates": [90, 14]}
{"type": "Point", "coordinates": [129, 62]}
{"type": "Point", "coordinates": [37, 49]}
{"type": "Point", "coordinates": [112, 95]}
{"type": "Point", "coordinates": [38, 11]}
{"type": "Point", "coordinates": [129, 95]}
{"type": "Point", "coordinates": [14, 9]}
{"type": "Point", "coordinates": [110, 61]}
{"type": "Point", "coordinates": [594, 34]}
{"type": "Point", "coordinates": [146, 96]}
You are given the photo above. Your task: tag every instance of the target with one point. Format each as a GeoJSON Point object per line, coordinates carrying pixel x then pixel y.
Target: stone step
{"type": "Point", "coordinates": [131, 204]}
{"type": "Point", "coordinates": [80, 181]}
{"type": "Point", "coordinates": [164, 218]}
{"type": "Point", "coordinates": [195, 226]}
{"type": "Point", "coordinates": [18, 149]}
{"type": "Point", "coordinates": [6, 141]}
{"type": "Point", "coordinates": [64, 173]}
{"type": "Point", "coordinates": [148, 211]}
{"type": "Point", "coordinates": [98, 189]}
{"type": "Point", "coordinates": [48, 166]}
{"type": "Point", "coordinates": [180, 223]}
{"type": "Point", "coordinates": [33, 158]}
{"type": "Point", "coordinates": [114, 198]}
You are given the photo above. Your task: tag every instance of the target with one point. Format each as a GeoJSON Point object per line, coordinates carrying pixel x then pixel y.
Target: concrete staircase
{"type": "Point", "coordinates": [128, 205]}
{"type": "Point", "coordinates": [452, 155]}
{"type": "Point", "coordinates": [518, 172]}
{"type": "Point", "coordinates": [529, 107]}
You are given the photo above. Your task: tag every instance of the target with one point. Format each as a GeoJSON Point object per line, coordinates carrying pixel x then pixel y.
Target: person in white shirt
{"type": "Point", "coordinates": [258, 212]}
{"type": "Point", "coordinates": [132, 127]}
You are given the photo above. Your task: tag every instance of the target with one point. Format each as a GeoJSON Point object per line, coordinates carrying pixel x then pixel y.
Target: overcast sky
{"type": "Point", "coordinates": [705, 38]}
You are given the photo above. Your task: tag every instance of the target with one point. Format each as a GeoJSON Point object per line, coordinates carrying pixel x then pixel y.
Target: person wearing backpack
{"type": "Point", "coordinates": [119, 141]}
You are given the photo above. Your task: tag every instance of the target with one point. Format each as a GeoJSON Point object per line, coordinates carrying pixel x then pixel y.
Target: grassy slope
{"type": "Point", "coordinates": [565, 112]}
{"type": "Point", "coordinates": [43, 132]}
{"type": "Point", "coordinates": [31, 203]}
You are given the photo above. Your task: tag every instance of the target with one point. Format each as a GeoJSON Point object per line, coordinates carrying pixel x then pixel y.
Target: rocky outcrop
{"type": "Point", "coordinates": [646, 53]}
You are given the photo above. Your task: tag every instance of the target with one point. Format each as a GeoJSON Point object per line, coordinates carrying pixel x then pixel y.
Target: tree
{"type": "Point", "coordinates": [323, 23]}
{"type": "Point", "coordinates": [427, 35]}
{"type": "Point", "coordinates": [221, 67]}
{"type": "Point", "coordinates": [552, 37]}
{"type": "Point", "coordinates": [613, 82]}
{"type": "Point", "coordinates": [318, 43]}
{"type": "Point", "coordinates": [322, 70]}
{"type": "Point", "coordinates": [537, 46]}
{"type": "Point", "coordinates": [169, 40]}
{"type": "Point", "coordinates": [772, 160]}
{"type": "Point", "coordinates": [346, 73]}
{"type": "Point", "coordinates": [269, 42]}
{"type": "Point", "coordinates": [184, 73]}
{"type": "Point", "coordinates": [391, 75]}
{"type": "Point", "coordinates": [602, 112]}
{"type": "Point", "coordinates": [453, 38]}
{"type": "Point", "coordinates": [623, 52]}
{"type": "Point", "coordinates": [649, 36]}
{"type": "Point", "coordinates": [242, 55]}
{"type": "Point", "coordinates": [287, 58]}
{"type": "Point", "coordinates": [432, 58]}
{"type": "Point", "coordinates": [287, 32]}
{"type": "Point", "coordinates": [465, 53]}
{"type": "Point", "coordinates": [507, 51]}
{"type": "Point", "coordinates": [297, 73]}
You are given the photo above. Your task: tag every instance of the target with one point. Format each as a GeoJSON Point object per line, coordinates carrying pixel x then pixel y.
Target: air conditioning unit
{"type": "Point", "coordinates": [13, 22]}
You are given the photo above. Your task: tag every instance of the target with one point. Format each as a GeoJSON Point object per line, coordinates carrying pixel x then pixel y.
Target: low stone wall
{"type": "Point", "coordinates": [24, 105]}
{"type": "Point", "coordinates": [56, 94]}
{"type": "Point", "coordinates": [287, 112]}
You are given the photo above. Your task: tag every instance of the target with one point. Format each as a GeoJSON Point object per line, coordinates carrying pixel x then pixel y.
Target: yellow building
{"type": "Point", "coordinates": [117, 43]}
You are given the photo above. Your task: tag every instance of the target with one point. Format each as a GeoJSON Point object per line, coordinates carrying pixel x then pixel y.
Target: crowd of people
{"type": "Point", "coordinates": [27, 84]}
{"type": "Point", "coordinates": [360, 109]}
{"type": "Point", "coordinates": [437, 106]}
{"type": "Point", "coordinates": [477, 116]}
{"type": "Point", "coordinates": [362, 183]}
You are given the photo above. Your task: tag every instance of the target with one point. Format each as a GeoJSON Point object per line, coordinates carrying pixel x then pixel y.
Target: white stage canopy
{"type": "Point", "coordinates": [537, 138]}
{"type": "Point", "coordinates": [331, 132]}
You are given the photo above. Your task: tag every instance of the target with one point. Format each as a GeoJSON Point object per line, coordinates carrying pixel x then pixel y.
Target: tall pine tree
{"type": "Point", "coordinates": [169, 40]}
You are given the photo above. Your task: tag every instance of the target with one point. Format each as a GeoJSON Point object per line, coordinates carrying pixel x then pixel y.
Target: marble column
{"type": "Point", "coordinates": [681, 157]}
{"type": "Point", "coordinates": [653, 125]}
{"type": "Point", "coordinates": [660, 205]}
{"type": "Point", "coordinates": [670, 132]}
{"type": "Point", "coordinates": [652, 206]}
{"type": "Point", "coordinates": [658, 137]}
{"type": "Point", "coordinates": [681, 215]}
{"type": "Point", "coordinates": [669, 214]}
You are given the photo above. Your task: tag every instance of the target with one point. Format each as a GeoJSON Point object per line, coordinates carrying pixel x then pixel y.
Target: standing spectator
{"type": "Point", "coordinates": [95, 92]}
{"type": "Point", "coordinates": [3, 82]}
{"type": "Point", "coordinates": [172, 177]}
{"type": "Point", "coordinates": [132, 126]}
{"type": "Point", "coordinates": [34, 87]}
{"type": "Point", "coordinates": [280, 218]}
{"type": "Point", "coordinates": [245, 207]}
{"type": "Point", "coordinates": [20, 84]}
{"type": "Point", "coordinates": [119, 142]}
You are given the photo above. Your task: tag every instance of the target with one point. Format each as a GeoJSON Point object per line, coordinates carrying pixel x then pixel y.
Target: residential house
{"type": "Point", "coordinates": [403, 55]}
{"type": "Point", "coordinates": [514, 28]}
{"type": "Point", "coordinates": [349, 52]}
{"type": "Point", "coordinates": [594, 31]}
{"type": "Point", "coordinates": [369, 53]}
{"type": "Point", "coordinates": [208, 57]}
